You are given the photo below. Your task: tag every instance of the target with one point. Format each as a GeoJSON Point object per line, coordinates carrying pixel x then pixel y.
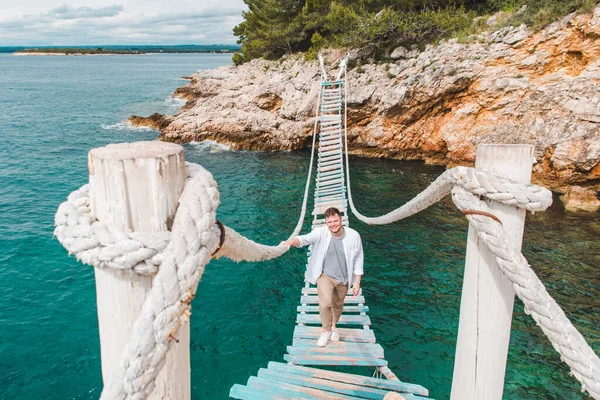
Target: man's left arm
{"type": "Point", "coordinates": [358, 268]}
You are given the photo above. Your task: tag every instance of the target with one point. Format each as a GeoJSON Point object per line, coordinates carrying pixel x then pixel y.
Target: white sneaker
{"type": "Point", "coordinates": [325, 335]}
{"type": "Point", "coordinates": [335, 336]}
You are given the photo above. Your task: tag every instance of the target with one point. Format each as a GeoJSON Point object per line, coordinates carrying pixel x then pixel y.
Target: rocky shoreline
{"type": "Point", "coordinates": [436, 105]}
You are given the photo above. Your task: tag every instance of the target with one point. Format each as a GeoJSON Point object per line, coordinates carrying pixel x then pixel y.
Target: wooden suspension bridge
{"type": "Point", "coordinates": [358, 346]}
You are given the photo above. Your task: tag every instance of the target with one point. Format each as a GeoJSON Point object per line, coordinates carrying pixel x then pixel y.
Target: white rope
{"type": "Point", "coordinates": [322, 65]}
{"type": "Point", "coordinates": [300, 222]}
{"type": "Point", "coordinates": [566, 340]}
{"type": "Point", "coordinates": [194, 237]}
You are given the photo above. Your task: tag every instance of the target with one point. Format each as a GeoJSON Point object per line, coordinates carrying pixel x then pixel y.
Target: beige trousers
{"type": "Point", "coordinates": [331, 300]}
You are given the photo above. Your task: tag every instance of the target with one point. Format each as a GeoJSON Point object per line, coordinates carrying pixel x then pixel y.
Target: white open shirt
{"type": "Point", "coordinates": [320, 238]}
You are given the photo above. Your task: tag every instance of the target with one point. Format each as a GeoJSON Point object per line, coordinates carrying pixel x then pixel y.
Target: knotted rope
{"type": "Point", "coordinates": [566, 340]}
{"type": "Point", "coordinates": [181, 256]}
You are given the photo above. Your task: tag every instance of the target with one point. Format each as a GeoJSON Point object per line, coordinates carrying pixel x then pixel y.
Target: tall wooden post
{"type": "Point", "coordinates": [136, 187]}
{"type": "Point", "coordinates": [487, 296]}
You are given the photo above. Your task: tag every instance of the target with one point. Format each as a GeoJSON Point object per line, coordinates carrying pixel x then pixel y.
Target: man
{"type": "Point", "coordinates": [335, 263]}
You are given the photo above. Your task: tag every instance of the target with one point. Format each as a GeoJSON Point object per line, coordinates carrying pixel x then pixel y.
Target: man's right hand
{"type": "Point", "coordinates": [291, 242]}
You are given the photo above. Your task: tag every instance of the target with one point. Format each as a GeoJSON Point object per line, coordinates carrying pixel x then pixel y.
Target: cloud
{"type": "Point", "coordinates": [67, 12]}
{"type": "Point", "coordinates": [188, 22]}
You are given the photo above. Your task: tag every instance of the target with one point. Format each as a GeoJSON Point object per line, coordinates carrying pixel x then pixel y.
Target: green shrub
{"type": "Point", "coordinates": [272, 28]}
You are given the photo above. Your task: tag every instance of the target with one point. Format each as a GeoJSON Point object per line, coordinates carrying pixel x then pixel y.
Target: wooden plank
{"type": "Point", "coordinates": [346, 309]}
{"type": "Point", "coordinates": [333, 157]}
{"type": "Point", "coordinates": [349, 335]}
{"type": "Point", "coordinates": [347, 300]}
{"type": "Point", "coordinates": [331, 147]}
{"type": "Point", "coordinates": [329, 182]}
{"type": "Point", "coordinates": [331, 153]}
{"type": "Point", "coordinates": [344, 319]}
{"type": "Point", "coordinates": [330, 194]}
{"type": "Point", "coordinates": [329, 170]}
{"type": "Point", "coordinates": [246, 393]}
{"type": "Point", "coordinates": [327, 123]}
{"type": "Point", "coordinates": [323, 384]}
{"type": "Point", "coordinates": [312, 359]}
{"type": "Point", "coordinates": [330, 141]}
{"type": "Point", "coordinates": [331, 165]}
{"type": "Point", "coordinates": [337, 194]}
{"type": "Point", "coordinates": [328, 198]}
{"type": "Point", "coordinates": [330, 201]}
{"type": "Point", "coordinates": [336, 173]}
{"type": "Point", "coordinates": [330, 130]}
{"type": "Point", "coordinates": [397, 386]}
{"type": "Point", "coordinates": [339, 348]}
{"type": "Point", "coordinates": [287, 390]}
{"type": "Point", "coordinates": [313, 290]}
{"type": "Point", "coordinates": [375, 347]}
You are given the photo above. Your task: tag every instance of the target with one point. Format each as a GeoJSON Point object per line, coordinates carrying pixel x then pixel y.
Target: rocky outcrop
{"type": "Point", "coordinates": [509, 86]}
{"type": "Point", "coordinates": [154, 121]}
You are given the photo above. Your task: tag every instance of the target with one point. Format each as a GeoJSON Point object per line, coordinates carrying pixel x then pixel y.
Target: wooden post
{"type": "Point", "coordinates": [136, 187]}
{"type": "Point", "coordinates": [487, 296]}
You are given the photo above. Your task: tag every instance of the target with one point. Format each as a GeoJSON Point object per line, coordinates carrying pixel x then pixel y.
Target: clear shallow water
{"type": "Point", "coordinates": [53, 110]}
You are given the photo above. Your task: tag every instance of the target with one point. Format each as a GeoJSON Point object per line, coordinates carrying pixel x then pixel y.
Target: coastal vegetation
{"type": "Point", "coordinates": [272, 28]}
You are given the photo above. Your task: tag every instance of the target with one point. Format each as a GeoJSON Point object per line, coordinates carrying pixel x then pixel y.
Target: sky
{"type": "Point", "coordinates": [98, 22]}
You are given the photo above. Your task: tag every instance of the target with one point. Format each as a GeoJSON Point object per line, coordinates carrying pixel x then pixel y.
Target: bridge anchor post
{"type": "Point", "coordinates": [135, 187]}
{"type": "Point", "coordinates": [487, 295]}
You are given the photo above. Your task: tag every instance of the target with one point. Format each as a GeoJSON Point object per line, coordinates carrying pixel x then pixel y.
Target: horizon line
{"type": "Point", "coordinates": [105, 44]}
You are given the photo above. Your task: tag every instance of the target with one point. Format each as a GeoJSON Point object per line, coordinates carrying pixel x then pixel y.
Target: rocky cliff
{"type": "Point", "coordinates": [509, 86]}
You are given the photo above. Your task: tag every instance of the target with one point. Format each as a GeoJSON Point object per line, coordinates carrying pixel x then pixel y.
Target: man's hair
{"type": "Point", "coordinates": [331, 211]}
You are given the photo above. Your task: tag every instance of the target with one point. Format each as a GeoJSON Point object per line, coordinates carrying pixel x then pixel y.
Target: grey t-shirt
{"type": "Point", "coordinates": [334, 264]}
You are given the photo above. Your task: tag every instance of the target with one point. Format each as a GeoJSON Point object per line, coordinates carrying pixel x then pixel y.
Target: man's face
{"type": "Point", "coordinates": [334, 223]}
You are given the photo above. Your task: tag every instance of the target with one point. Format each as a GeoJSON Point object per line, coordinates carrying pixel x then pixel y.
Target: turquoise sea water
{"type": "Point", "coordinates": [53, 110]}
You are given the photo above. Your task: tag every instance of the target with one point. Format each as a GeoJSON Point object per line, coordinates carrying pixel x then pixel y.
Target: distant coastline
{"type": "Point", "coordinates": [118, 49]}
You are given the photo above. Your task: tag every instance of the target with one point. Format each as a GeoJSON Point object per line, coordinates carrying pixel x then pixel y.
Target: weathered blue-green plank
{"type": "Point", "coordinates": [346, 309]}
{"type": "Point", "coordinates": [345, 319]}
{"type": "Point", "coordinates": [299, 342]}
{"type": "Point", "coordinates": [285, 390]}
{"type": "Point", "coordinates": [385, 384]}
{"type": "Point", "coordinates": [324, 384]}
{"type": "Point", "coordinates": [246, 393]}
{"type": "Point", "coordinates": [313, 290]}
{"type": "Point", "coordinates": [332, 348]}
{"type": "Point", "coordinates": [347, 300]}
{"type": "Point", "coordinates": [348, 335]}
{"type": "Point", "coordinates": [314, 359]}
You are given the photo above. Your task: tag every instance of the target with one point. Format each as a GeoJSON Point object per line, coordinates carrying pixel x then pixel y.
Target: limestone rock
{"type": "Point", "coordinates": [581, 199]}
{"type": "Point", "coordinates": [154, 121]}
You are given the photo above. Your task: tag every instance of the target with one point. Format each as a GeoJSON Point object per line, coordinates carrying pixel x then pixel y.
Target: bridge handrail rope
{"type": "Point", "coordinates": [467, 186]}
{"type": "Point", "coordinates": [178, 260]}
{"type": "Point", "coordinates": [300, 222]}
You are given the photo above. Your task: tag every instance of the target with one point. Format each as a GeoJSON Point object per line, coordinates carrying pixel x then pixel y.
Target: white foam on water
{"type": "Point", "coordinates": [210, 146]}
{"type": "Point", "coordinates": [127, 126]}
{"type": "Point", "coordinates": [175, 102]}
